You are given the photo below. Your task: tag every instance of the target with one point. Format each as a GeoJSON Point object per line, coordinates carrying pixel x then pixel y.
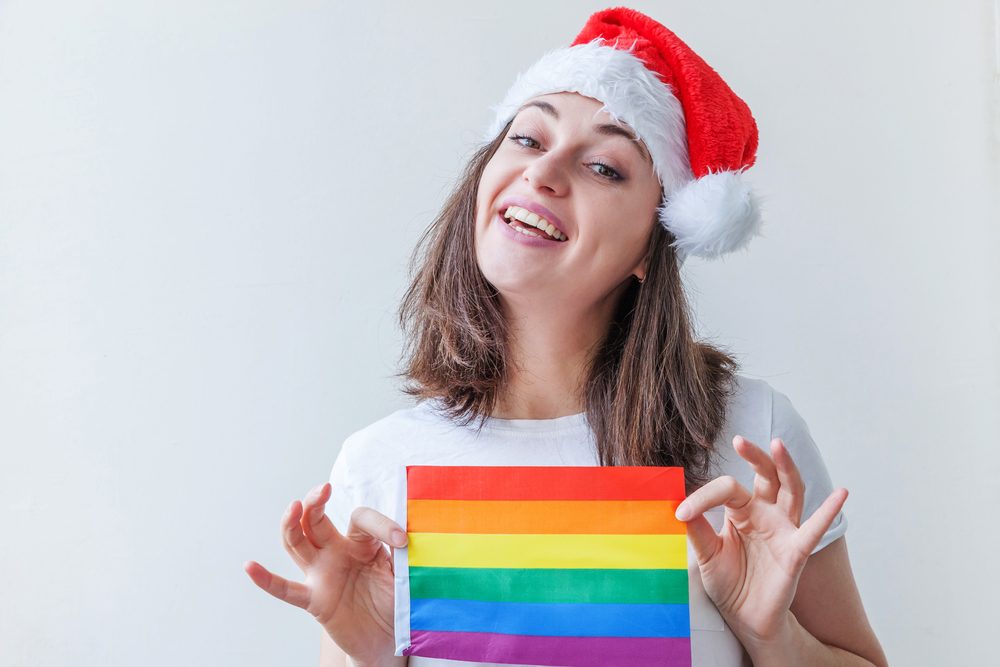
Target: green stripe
{"type": "Point", "coordinates": [550, 585]}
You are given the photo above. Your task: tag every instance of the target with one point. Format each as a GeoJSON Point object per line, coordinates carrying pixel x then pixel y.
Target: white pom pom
{"type": "Point", "coordinates": [712, 215]}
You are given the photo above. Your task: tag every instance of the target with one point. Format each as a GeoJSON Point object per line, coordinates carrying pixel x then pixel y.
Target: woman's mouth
{"type": "Point", "coordinates": [529, 223]}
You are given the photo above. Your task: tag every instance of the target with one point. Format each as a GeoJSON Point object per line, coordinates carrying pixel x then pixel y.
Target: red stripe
{"type": "Point", "coordinates": [545, 483]}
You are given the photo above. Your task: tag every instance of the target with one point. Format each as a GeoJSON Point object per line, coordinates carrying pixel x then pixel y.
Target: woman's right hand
{"type": "Point", "coordinates": [348, 585]}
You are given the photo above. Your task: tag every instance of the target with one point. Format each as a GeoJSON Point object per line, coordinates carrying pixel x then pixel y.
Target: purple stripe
{"type": "Point", "coordinates": [531, 650]}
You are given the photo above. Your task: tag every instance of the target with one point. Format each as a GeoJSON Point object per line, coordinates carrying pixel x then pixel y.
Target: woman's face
{"type": "Point", "coordinates": [594, 185]}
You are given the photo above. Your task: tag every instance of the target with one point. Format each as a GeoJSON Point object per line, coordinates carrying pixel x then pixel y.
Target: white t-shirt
{"type": "Point", "coordinates": [372, 462]}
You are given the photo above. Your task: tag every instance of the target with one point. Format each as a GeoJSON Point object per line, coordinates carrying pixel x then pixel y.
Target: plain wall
{"type": "Point", "coordinates": [206, 214]}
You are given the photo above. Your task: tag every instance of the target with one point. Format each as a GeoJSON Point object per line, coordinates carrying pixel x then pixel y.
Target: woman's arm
{"type": "Point", "coordinates": [827, 624]}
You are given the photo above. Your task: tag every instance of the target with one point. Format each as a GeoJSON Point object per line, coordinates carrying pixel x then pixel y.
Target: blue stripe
{"type": "Point", "coordinates": [553, 620]}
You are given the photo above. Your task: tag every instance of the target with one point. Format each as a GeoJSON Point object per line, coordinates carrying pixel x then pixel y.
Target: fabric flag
{"type": "Point", "coordinates": [544, 565]}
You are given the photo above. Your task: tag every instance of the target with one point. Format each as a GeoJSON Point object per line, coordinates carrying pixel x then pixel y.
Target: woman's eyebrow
{"type": "Point", "coordinates": [612, 130]}
{"type": "Point", "coordinates": [605, 129]}
{"type": "Point", "coordinates": [544, 106]}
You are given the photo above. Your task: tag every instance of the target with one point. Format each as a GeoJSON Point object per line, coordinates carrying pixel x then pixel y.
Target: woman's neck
{"type": "Point", "coordinates": [534, 398]}
{"type": "Point", "coordinates": [548, 360]}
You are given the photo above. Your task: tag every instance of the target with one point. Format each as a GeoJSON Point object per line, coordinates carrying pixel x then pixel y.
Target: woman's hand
{"type": "Point", "coordinates": [751, 568]}
{"type": "Point", "coordinates": [348, 583]}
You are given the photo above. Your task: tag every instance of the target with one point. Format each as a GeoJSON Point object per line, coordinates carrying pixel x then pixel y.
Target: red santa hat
{"type": "Point", "coordinates": [700, 135]}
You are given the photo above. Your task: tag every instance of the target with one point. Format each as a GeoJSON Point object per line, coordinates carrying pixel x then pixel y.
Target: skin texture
{"type": "Point", "coordinates": [560, 300]}
{"type": "Point", "coordinates": [786, 607]}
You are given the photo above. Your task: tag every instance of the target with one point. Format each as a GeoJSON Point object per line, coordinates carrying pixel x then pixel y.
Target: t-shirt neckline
{"type": "Point", "coordinates": [574, 422]}
{"type": "Point", "coordinates": [564, 423]}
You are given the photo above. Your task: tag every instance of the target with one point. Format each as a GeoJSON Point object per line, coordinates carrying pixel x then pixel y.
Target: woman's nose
{"type": "Point", "coordinates": [548, 172]}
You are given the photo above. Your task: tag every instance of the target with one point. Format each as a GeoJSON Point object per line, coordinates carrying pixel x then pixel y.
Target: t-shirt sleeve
{"type": "Point", "coordinates": [343, 494]}
{"type": "Point", "coordinates": [787, 424]}
{"type": "Point", "coordinates": [359, 479]}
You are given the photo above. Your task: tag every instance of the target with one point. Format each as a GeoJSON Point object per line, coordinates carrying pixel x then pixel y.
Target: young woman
{"type": "Point", "coordinates": [548, 325]}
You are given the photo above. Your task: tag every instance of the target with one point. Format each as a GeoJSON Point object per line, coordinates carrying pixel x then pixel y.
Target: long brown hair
{"type": "Point", "coordinates": [653, 394]}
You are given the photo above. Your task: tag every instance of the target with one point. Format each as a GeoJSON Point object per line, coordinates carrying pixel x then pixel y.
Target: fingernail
{"type": "Point", "coordinates": [683, 513]}
{"type": "Point", "coordinates": [398, 538]}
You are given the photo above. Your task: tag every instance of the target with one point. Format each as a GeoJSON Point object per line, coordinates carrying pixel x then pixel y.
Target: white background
{"type": "Point", "coordinates": [206, 213]}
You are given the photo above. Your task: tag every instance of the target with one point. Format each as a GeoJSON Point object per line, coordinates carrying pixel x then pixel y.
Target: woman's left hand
{"type": "Point", "coordinates": [751, 568]}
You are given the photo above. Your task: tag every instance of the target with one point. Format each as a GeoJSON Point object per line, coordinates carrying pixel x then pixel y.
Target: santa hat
{"type": "Point", "coordinates": [700, 135]}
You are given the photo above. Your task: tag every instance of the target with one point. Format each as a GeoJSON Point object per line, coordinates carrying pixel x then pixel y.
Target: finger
{"type": "Point", "coordinates": [792, 492]}
{"type": "Point", "coordinates": [723, 490]}
{"type": "Point", "coordinates": [316, 525]}
{"type": "Point", "coordinates": [765, 482]}
{"type": "Point", "coordinates": [703, 539]}
{"type": "Point", "coordinates": [811, 532]}
{"type": "Point", "coordinates": [294, 540]}
{"type": "Point", "coordinates": [368, 529]}
{"type": "Point", "coordinates": [288, 591]}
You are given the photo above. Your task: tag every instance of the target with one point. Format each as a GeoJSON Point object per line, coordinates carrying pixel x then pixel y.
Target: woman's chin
{"type": "Point", "coordinates": [522, 289]}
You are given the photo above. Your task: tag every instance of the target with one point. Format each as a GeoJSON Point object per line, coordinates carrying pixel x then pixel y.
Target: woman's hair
{"type": "Point", "coordinates": [653, 394]}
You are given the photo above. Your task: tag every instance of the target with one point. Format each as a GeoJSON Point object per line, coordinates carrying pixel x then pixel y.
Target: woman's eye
{"type": "Point", "coordinates": [603, 170]}
{"type": "Point", "coordinates": [518, 137]}
{"type": "Point", "coordinates": [606, 171]}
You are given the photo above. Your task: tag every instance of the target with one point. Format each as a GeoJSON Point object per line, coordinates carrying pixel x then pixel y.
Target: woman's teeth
{"type": "Point", "coordinates": [534, 220]}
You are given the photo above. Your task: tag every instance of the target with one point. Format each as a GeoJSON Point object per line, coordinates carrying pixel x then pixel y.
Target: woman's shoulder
{"type": "Point", "coordinates": [367, 470]}
{"type": "Point", "coordinates": [756, 405]}
{"type": "Point", "coordinates": [759, 412]}
{"type": "Point", "coordinates": [748, 409]}
{"type": "Point", "coordinates": [397, 426]}
{"type": "Point", "coordinates": [419, 434]}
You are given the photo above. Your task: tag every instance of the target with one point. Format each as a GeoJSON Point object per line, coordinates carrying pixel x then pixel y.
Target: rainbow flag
{"type": "Point", "coordinates": [537, 565]}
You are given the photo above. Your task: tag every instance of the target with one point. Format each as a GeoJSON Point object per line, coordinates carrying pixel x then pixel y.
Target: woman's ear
{"type": "Point", "coordinates": [640, 270]}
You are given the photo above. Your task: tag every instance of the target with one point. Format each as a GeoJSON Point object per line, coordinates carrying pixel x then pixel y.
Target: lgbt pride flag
{"type": "Point", "coordinates": [537, 565]}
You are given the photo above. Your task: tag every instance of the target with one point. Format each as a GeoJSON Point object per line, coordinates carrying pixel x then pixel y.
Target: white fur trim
{"type": "Point", "coordinates": [631, 93]}
{"type": "Point", "coordinates": [711, 216]}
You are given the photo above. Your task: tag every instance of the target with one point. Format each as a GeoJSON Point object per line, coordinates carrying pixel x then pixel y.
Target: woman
{"type": "Point", "coordinates": [549, 307]}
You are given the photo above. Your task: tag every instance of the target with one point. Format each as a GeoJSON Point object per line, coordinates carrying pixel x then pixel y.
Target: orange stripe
{"type": "Point", "coordinates": [593, 517]}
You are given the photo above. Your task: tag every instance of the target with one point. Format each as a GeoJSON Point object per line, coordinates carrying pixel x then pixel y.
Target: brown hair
{"type": "Point", "coordinates": [653, 394]}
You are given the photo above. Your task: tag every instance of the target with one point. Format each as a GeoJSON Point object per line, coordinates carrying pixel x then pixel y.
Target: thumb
{"type": "Point", "coordinates": [702, 538]}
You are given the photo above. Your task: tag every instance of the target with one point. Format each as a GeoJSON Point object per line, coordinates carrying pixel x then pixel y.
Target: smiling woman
{"type": "Point", "coordinates": [547, 306]}
{"type": "Point", "coordinates": [596, 187]}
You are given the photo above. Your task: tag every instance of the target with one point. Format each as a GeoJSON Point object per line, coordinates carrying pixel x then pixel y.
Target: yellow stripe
{"type": "Point", "coordinates": [556, 551]}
